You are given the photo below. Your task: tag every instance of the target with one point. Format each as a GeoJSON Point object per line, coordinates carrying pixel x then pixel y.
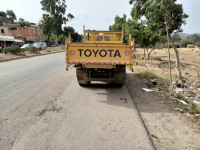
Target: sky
{"type": "Point", "coordinates": [96, 14]}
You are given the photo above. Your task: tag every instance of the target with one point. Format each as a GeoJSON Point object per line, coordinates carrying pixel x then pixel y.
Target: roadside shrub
{"type": "Point", "coordinates": [198, 119]}
{"type": "Point", "coordinates": [198, 44]}
{"type": "Point", "coordinates": [184, 43]}
{"type": "Point", "coordinates": [13, 50]}
{"type": "Point", "coordinates": [157, 59]}
{"type": "Point", "coordinates": [162, 45]}
{"type": "Point", "coordinates": [179, 96]}
{"type": "Point", "coordinates": [148, 75]}
{"type": "Point", "coordinates": [194, 109]}
{"type": "Point", "coordinates": [151, 78]}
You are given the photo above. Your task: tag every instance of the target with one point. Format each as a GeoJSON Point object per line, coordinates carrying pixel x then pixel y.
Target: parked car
{"type": "Point", "coordinates": [45, 44]}
{"type": "Point", "coordinates": [26, 46]}
{"type": "Point", "coordinates": [39, 46]}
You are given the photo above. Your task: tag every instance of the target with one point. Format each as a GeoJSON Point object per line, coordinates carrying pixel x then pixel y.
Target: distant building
{"type": "Point", "coordinates": [26, 34]}
{"type": "Point", "coordinates": [5, 20]}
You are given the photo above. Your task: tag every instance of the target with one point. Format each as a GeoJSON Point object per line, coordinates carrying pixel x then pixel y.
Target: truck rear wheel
{"type": "Point", "coordinates": [82, 74]}
{"type": "Point", "coordinates": [85, 83]}
{"type": "Point", "coordinates": [119, 76]}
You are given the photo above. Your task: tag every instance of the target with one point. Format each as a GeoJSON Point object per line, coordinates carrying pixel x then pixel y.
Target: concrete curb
{"type": "Point", "coordinates": [23, 57]}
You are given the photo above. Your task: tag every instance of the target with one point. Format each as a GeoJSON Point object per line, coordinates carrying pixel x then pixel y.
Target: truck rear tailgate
{"type": "Point", "coordinates": [89, 53]}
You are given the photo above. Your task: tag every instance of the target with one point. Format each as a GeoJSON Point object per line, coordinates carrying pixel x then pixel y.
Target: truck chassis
{"type": "Point", "coordinates": [114, 75]}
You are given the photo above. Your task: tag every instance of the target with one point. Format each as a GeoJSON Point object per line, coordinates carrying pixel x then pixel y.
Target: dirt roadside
{"type": "Point", "coordinates": [167, 128]}
{"type": "Point", "coordinates": [27, 54]}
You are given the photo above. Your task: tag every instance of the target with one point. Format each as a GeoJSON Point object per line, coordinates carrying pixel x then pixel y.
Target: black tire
{"type": "Point", "coordinates": [81, 74]}
{"type": "Point", "coordinates": [82, 85]}
{"type": "Point", "coordinates": [120, 77]}
{"type": "Point", "coordinates": [85, 84]}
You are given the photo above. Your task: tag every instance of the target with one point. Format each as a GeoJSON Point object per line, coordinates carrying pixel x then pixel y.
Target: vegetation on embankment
{"type": "Point", "coordinates": [154, 72]}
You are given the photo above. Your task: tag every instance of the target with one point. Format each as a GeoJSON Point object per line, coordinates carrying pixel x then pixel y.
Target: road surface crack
{"type": "Point", "coordinates": [48, 108]}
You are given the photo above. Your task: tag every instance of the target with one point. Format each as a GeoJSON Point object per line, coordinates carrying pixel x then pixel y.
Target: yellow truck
{"type": "Point", "coordinates": [101, 57]}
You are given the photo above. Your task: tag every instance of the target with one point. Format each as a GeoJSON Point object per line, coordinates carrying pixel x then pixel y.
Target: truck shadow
{"type": "Point", "coordinates": [112, 94]}
{"type": "Point", "coordinates": [135, 97]}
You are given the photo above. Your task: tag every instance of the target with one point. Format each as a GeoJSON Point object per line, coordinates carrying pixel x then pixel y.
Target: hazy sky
{"type": "Point", "coordinates": [96, 14]}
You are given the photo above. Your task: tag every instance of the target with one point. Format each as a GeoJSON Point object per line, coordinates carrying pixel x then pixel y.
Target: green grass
{"type": "Point", "coordinates": [179, 96]}
{"type": "Point", "coordinates": [148, 76]}
{"type": "Point", "coordinates": [194, 109]}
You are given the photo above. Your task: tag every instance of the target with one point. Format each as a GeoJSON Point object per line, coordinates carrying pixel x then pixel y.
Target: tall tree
{"type": "Point", "coordinates": [75, 36]}
{"type": "Point", "coordinates": [55, 15]}
{"type": "Point", "coordinates": [165, 16]}
{"type": "Point", "coordinates": [3, 14]}
{"type": "Point", "coordinates": [43, 36]}
{"type": "Point", "coordinates": [67, 30]}
{"type": "Point", "coordinates": [142, 34]}
{"type": "Point", "coordinates": [119, 22]}
{"type": "Point", "coordinates": [176, 37]}
{"type": "Point", "coordinates": [62, 38]}
{"type": "Point", "coordinates": [11, 15]}
{"type": "Point", "coordinates": [46, 24]}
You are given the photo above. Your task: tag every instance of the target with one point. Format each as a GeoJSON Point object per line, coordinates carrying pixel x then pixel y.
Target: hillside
{"type": "Point", "coordinates": [185, 35]}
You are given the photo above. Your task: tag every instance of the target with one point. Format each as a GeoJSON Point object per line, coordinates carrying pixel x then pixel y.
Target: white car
{"type": "Point", "coordinates": [44, 44]}
{"type": "Point", "coordinates": [26, 46]}
{"type": "Point", "coordinates": [39, 46]}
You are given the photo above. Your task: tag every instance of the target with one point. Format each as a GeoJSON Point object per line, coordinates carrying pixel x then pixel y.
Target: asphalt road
{"type": "Point", "coordinates": [42, 107]}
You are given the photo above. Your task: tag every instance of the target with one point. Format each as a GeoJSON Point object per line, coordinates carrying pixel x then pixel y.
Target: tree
{"type": "Point", "coordinates": [61, 38]}
{"type": "Point", "coordinates": [74, 35]}
{"type": "Point", "coordinates": [176, 38]}
{"type": "Point", "coordinates": [77, 37]}
{"type": "Point", "coordinates": [148, 39]}
{"type": "Point", "coordinates": [195, 38]}
{"type": "Point", "coordinates": [67, 30]}
{"type": "Point", "coordinates": [23, 23]}
{"type": "Point", "coordinates": [43, 36]}
{"type": "Point", "coordinates": [120, 22]}
{"type": "Point", "coordinates": [165, 16]}
{"type": "Point", "coordinates": [142, 34]}
{"type": "Point", "coordinates": [53, 37]}
{"type": "Point", "coordinates": [55, 15]}
{"type": "Point", "coordinates": [3, 14]}
{"type": "Point", "coordinates": [134, 27]}
{"type": "Point", "coordinates": [46, 25]}
{"type": "Point", "coordinates": [11, 15]}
